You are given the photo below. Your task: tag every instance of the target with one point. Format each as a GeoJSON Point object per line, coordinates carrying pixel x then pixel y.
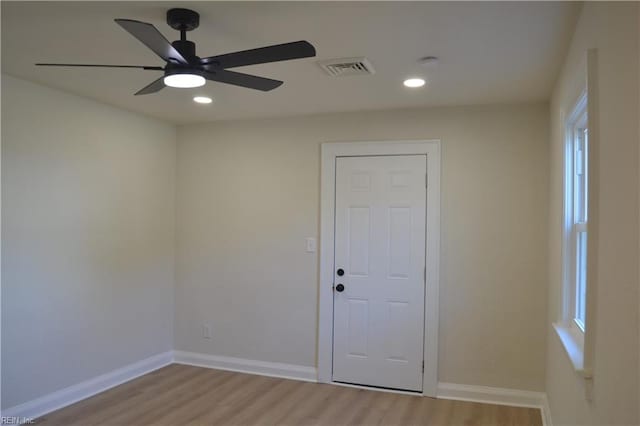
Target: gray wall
{"type": "Point", "coordinates": [87, 239]}
{"type": "Point", "coordinates": [248, 195]}
{"type": "Point", "coordinates": [611, 28]}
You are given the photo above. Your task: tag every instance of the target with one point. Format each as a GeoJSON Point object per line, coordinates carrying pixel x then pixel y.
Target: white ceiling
{"type": "Point", "coordinates": [489, 53]}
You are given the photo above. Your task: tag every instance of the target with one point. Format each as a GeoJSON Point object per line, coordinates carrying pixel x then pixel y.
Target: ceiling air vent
{"type": "Point", "coordinates": [347, 66]}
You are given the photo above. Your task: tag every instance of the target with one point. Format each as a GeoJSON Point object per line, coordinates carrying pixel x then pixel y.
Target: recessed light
{"type": "Point", "coordinates": [414, 82]}
{"type": "Point", "coordinates": [202, 99]}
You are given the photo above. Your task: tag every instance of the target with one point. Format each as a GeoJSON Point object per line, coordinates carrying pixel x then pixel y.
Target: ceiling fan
{"type": "Point", "coordinates": [184, 69]}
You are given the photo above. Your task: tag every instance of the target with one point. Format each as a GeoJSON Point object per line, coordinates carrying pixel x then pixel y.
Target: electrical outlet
{"type": "Point", "coordinates": [206, 331]}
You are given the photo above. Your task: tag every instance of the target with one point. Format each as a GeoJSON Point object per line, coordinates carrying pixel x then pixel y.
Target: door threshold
{"type": "Point", "coordinates": [378, 388]}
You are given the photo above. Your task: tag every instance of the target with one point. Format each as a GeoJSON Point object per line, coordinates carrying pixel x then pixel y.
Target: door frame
{"type": "Point", "coordinates": [330, 151]}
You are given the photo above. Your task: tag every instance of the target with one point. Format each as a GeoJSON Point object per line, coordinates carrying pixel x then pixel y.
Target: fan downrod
{"type": "Point", "coordinates": [183, 19]}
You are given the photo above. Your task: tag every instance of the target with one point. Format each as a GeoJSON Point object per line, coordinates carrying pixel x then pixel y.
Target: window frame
{"type": "Point", "coordinates": [575, 125]}
{"type": "Point", "coordinates": [580, 347]}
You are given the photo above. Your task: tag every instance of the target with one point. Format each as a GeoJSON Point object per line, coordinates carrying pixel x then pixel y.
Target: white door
{"type": "Point", "coordinates": [379, 281]}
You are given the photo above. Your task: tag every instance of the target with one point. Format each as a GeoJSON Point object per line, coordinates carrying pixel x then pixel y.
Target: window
{"type": "Point", "coordinates": [574, 327]}
{"type": "Point", "coordinates": [576, 196]}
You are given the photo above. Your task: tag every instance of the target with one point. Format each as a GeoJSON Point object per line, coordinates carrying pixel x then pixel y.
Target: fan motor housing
{"type": "Point", "coordinates": [186, 48]}
{"type": "Point", "coordinates": [172, 69]}
{"type": "Point", "coordinates": [183, 19]}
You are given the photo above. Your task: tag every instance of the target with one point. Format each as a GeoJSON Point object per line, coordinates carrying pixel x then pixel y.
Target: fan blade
{"type": "Point", "coordinates": [154, 87]}
{"type": "Point", "coordinates": [143, 67]}
{"type": "Point", "coordinates": [279, 52]}
{"type": "Point", "coordinates": [153, 39]}
{"type": "Point", "coordinates": [243, 80]}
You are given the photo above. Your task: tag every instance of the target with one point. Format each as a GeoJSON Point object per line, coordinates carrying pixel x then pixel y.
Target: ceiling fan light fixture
{"type": "Point", "coordinates": [185, 70]}
{"type": "Point", "coordinates": [184, 80]}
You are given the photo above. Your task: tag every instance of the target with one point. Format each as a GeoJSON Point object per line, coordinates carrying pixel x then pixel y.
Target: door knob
{"type": "Point", "coordinates": [339, 288]}
{"type": "Point", "coordinates": [340, 272]}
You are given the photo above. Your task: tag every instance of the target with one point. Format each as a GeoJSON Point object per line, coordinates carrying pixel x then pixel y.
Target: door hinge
{"type": "Point", "coordinates": [424, 275]}
{"type": "Point", "coordinates": [426, 181]}
{"type": "Point", "coordinates": [423, 366]}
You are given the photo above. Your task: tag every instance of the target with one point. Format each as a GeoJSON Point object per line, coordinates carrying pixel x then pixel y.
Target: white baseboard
{"type": "Point", "coordinates": [72, 394]}
{"type": "Point", "coordinates": [500, 396]}
{"type": "Point", "coordinates": [490, 395]}
{"type": "Point", "coordinates": [263, 368]}
{"type": "Point", "coordinates": [546, 413]}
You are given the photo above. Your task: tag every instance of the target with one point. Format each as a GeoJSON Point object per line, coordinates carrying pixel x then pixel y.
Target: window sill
{"type": "Point", "coordinates": [574, 347]}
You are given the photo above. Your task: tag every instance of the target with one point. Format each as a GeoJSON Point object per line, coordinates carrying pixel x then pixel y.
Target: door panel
{"type": "Point", "coordinates": [358, 327]}
{"type": "Point", "coordinates": [399, 253]}
{"type": "Point", "coordinates": [397, 344]}
{"type": "Point", "coordinates": [358, 229]}
{"type": "Point", "coordinates": [380, 244]}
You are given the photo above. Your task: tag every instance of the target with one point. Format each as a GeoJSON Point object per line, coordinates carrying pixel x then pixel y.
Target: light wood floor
{"type": "Point", "coordinates": [184, 395]}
